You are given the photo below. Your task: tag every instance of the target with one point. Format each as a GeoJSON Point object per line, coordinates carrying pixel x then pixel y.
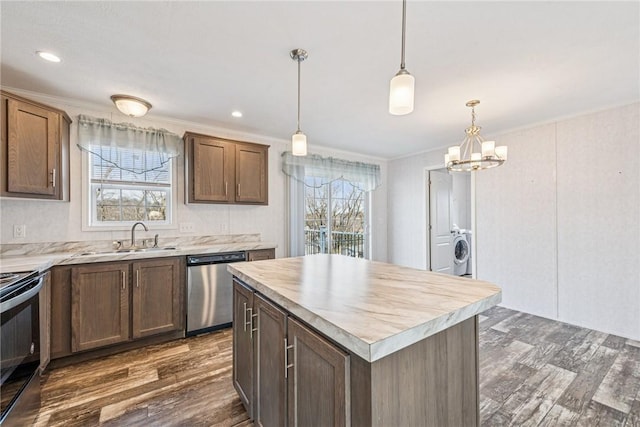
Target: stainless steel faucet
{"type": "Point", "coordinates": [133, 233]}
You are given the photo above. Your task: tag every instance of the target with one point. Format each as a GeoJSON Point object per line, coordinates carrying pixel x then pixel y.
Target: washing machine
{"type": "Point", "coordinates": [467, 234]}
{"type": "Point", "coordinates": [460, 254]}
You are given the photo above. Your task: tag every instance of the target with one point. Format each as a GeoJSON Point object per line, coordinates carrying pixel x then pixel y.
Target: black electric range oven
{"type": "Point", "coordinates": [19, 347]}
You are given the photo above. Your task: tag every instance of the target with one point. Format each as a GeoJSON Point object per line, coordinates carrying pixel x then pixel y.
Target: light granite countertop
{"type": "Point", "coordinates": [371, 308]}
{"type": "Point", "coordinates": [42, 262]}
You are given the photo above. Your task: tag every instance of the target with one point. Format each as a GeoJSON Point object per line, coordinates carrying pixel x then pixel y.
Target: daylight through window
{"type": "Point", "coordinates": [138, 189]}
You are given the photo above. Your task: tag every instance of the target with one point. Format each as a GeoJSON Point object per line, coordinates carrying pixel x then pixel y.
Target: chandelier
{"type": "Point", "coordinates": [474, 153]}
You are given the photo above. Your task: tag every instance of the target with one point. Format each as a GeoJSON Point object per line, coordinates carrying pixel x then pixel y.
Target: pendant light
{"type": "Point", "coordinates": [474, 153]}
{"type": "Point", "coordinates": [299, 139]}
{"type": "Point", "coordinates": [402, 85]}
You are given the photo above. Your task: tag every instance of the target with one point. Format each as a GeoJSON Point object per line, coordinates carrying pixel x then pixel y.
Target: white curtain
{"type": "Point", "coordinates": [98, 135]}
{"type": "Point", "coordinates": [365, 176]}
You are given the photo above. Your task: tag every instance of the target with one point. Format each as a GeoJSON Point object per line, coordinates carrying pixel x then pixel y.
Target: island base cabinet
{"type": "Point", "coordinates": [270, 345]}
{"type": "Point", "coordinates": [318, 380]}
{"type": "Point", "coordinates": [243, 345]}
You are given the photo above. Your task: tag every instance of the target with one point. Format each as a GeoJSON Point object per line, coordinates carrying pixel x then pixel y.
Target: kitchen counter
{"type": "Point", "coordinates": [372, 309]}
{"type": "Point", "coordinates": [46, 261]}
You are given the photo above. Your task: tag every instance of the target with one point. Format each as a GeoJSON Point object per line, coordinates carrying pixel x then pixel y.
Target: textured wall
{"type": "Point", "coordinates": [558, 226]}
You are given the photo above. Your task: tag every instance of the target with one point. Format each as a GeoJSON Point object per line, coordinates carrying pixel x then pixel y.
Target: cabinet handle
{"type": "Point", "coordinates": [252, 328]}
{"type": "Point", "coordinates": [238, 189]}
{"type": "Point", "coordinates": [53, 177]}
{"type": "Point", "coordinates": [250, 310]}
{"type": "Point", "coordinates": [225, 188]}
{"type": "Point", "coordinates": [244, 318]}
{"type": "Point", "coordinates": [137, 278]}
{"type": "Point", "coordinates": [124, 279]}
{"type": "Point", "coordinates": [288, 365]}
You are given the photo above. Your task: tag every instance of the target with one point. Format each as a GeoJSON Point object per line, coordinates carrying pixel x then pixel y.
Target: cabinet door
{"type": "Point", "coordinates": [251, 173]}
{"type": "Point", "coordinates": [99, 305]}
{"type": "Point", "coordinates": [270, 343]}
{"type": "Point", "coordinates": [212, 174]}
{"type": "Point", "coordinates": [32, 147]}
{"type": "Point", "coordinates": [157, 297]}
{"type": "Point", "coordinates": [243, 345]}
{"type": "Point", "coordinates": [317, 381]}
{"type": "Point", "coordinates": [261, 254]}
{"type": "Point", "coordinates": [45, 322]}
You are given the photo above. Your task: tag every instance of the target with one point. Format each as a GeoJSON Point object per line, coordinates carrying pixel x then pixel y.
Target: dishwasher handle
{"type": "Point", "coordinates": [224, 258]}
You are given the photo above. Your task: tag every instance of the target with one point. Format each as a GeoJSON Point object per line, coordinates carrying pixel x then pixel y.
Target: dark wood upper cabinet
{"type": "Point", "coordinates": [157, 297]}
{"type": "Point", "coordinates": [99, 305]}
{"type": "Point", "coordinates": [34, 149]}
{"type": "Point", "coordinates": [221, 170]}
{"type": "Point", "coordinates": [251, 173]}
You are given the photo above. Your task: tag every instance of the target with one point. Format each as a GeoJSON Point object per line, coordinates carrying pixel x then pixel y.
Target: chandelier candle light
{"type": "Point", "coordinates": [474, 153]}
{"type": "Point", "coordinates": [299, 139]}
{"type": "Point", "coordinates": [402, 85]}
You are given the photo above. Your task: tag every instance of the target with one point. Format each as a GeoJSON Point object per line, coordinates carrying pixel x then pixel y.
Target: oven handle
{"type": "Point", "coordinates": [14, 302]}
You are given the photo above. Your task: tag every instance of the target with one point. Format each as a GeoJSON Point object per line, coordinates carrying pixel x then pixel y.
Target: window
{"type": "Point", "coordinates": [328, 204]}
{"type": "Point", "coordinates": [335, 218]}
{"type": "Point", "coordinates": [138, 189]}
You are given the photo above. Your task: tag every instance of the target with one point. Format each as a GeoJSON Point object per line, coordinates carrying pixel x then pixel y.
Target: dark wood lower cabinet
{"type": "Point", "coordinates": [99, 305]}
{"type": "Point", "coordinates": [157, 297]}
{"type": "Point", "coordinates": [431, 383]}
{"type": "Point", "coordinates": [99, 308]}
{"type": "Point", "coordinates": [243, 345]}
{"type": "Point", "coordinates": [271, 393]}
{"type": "Point", "coordinates": [318, 380]}
{"type": "Point", "coordinates": [299, 378]}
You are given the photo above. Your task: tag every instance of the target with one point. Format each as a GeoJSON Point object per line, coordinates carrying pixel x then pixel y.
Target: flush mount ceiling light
{"type": "Point", "coordinates": [48, 56]}
{"type": "Point", "coordinates": [237, 114]}
{"type": "Point", "coordinates": [130, 105]}
{"type": "Point", "coordinates": [299, 139]}
{"type": "Point", "coordinates": [402, 85]}
{"type": "Point", "coordinates": [463, 158]}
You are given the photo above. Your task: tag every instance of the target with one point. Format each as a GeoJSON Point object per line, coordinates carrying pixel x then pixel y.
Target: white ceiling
{"type": "Point", "coordinates": [528, 62]}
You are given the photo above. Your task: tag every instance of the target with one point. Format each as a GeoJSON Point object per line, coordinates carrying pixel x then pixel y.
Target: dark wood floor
{"type": "Point", "coordinates": [533, 372]}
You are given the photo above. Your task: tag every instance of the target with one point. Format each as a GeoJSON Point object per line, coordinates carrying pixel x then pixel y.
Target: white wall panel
{"type": "Point", "coordinates": [516, 222]}
{"type": "Point", "coordinates": [598, 221]}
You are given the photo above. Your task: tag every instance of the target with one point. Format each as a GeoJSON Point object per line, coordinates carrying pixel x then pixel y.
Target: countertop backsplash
{"type": "Point", "coordinates": [28, 249]}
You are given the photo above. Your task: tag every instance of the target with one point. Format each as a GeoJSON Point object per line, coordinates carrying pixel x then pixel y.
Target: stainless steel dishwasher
{"type": "Point", "coordinates": [210, 291]}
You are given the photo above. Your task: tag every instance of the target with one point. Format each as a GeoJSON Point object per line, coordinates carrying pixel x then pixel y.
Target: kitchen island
{"type": "Point", "coordinates": [335, 340]}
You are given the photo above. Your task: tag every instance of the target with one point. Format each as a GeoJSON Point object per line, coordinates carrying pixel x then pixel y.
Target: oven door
{"type": "Point", "coordinates": [20, 355]}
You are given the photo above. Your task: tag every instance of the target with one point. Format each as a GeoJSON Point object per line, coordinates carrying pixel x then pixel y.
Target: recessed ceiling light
{"type": "Point", "coordinates": [48, 56]}
{"type": "Point", "coordinates": [236, 113]}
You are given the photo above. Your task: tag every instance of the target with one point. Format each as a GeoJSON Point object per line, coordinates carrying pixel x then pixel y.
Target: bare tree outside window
{"type": "Point", "coordinates": [334, 217]}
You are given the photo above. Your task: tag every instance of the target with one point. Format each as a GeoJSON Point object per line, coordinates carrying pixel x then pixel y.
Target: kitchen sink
{"type": "Point", "coordinates": [124, 251]}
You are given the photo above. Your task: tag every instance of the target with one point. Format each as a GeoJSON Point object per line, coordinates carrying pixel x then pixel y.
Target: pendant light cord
{"type": "Point", "coordinates": [404, 24]}
{"type": "Point", "coordinates": [299, 95]}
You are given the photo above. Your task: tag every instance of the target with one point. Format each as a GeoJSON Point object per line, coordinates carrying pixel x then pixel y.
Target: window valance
{"type": "Point", "coordinates": [365, 176]}
{"type": "Point", "coordinates": [99, 136]}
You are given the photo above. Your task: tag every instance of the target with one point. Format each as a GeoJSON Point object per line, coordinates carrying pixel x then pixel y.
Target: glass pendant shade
{"type": "Point", "coordinates": [299, 144]}
{"type": "Point", "coordinates": [130, 105]}
{"type": "Point", "coordinates": [401, 90]}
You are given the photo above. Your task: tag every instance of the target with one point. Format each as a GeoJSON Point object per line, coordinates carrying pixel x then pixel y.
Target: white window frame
{"type": "Point", "coordinates": [88, 203]}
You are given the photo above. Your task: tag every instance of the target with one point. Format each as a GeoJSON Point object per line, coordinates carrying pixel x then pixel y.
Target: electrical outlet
{"type": "Point", "coordinates": [19, 231]}
{"type": "Point", "coordinates": [187, 227]}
